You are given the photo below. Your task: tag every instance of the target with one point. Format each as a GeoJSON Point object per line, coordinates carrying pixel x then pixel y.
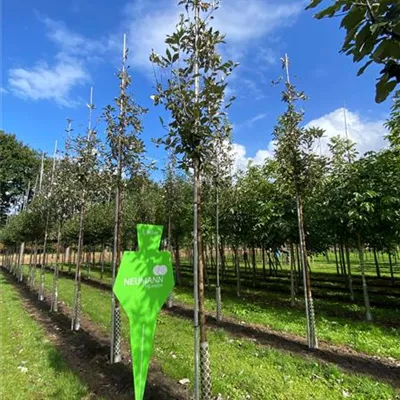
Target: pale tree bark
{"type": "Point", "coordinates": [364, 280]}
{"type": "Point", "coordinates": [217, 255]}
{"type": "Point", "coordinates": [205, 369]}
{"type": "Point", "coordinates": [292, 275]}
{"type": "Point", "coordinates": [77, 300]}
{"type": "Point", "coordinates": [54, 298]}
{"type": "Point", "coordinates": [350, 279]}
{"type": "Point", "coordinates": [310, 313]}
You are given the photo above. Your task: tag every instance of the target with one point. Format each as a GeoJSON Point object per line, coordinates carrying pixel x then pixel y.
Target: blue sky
{"type": "Point", "coordinates": [52, 52]}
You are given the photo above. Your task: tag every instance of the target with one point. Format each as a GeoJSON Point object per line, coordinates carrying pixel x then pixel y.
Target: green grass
{"type": "Point", "coordinates": [274, 312]}
{"type": "Point", "coordinates": [239, 367]}
{"type": "Point", "coordinates": [337, 322]}
{"type": "Point", "coordinates": [30, 367]}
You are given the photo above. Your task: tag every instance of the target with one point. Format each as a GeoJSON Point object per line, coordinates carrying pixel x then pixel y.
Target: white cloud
{"type": "Point", "coordinates": [241, 160]}
{"type": "Point", "coordinates": [368, 135]}
{"type": "Point", "coordinates": [251, 121]}
{"type": "Point", "coordinates": [72, 43]}
{"type": "Point", "coordinates": [44, 82]}
{"type": "Point", "coordinates": [244, 20]}
{"type": "Point", "coordinates": [55, 81]}
{"type": "Point", "coordinates": [148, 23]}
{"type": "Point", "coordinates": [3, 91]}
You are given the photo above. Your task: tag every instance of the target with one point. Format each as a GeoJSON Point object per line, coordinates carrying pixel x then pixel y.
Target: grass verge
{"type": "Point", "coordinates": [240, 368]}
{"type": "Point", "coordinates": [30, 367]}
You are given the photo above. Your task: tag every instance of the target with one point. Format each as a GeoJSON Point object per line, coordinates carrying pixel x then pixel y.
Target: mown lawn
{"type": "Point", "coordinates": [30, 367]}
{"type": "Point", "coordinates": [240, 367]}
{"type": "Point", "coordinates": [338, 322]}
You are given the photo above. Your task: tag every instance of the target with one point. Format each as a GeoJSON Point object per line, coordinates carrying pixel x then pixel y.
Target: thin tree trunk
{"type": "Point", "coordinates": [237, 269]}
{"type": "Point", "coordinates": [378, 271]}
{"type": "Point", "coordinates": [116, 339]}
{"type": "Point", "coordinates": [21, 261]}
{"type": "Point", "coordinates": [364, 281]}
{"type": "Point", "coordinates": [177, 263]}
{"type": "Point", "coordinates": [170, 300]}
{"type": "Point", "coordinates": [292, 273]}
{"type": "Point", "coordinates": [349, 273]}
{"type": "Point", "coordinates": [217, 255]}
{"type": "Point", "coordinates": [77, 301]}
{"type": "Point", "coordinates": [311, 328]}
{"type": "Point", "coordinates": [43, 263]}
{"type": "Point", "coordinates": [103, 256]}
{"type": "Point", "coordinates": [391, 266]}
{"type": "Point", "coordinates": [33, 271]}
{"type": "Point", "coordinates": [54, 300]}
{"type": "Point", "coordinates": [196, 260]}
{"type": "Point", "coordinates": [269, 263]}
{"type": "Point", "coordinates": [253, 261]}
{"type": "Point", "coordinates": [336, 259]}
{"type": "Point", "coordinates": [263, 262]}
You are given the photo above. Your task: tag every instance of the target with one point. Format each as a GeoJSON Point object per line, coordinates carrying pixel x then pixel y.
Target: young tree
{"type": "Point", "coordinates": [124, 126]}
{"type": "Point", "coordinates": [46, 197]}
{"type": "Point", "coordinates": [194, 95]}
{"type": "Point", "coordinates": [299, 167]}
{"type": "Point", "coordinates": [86, 153]}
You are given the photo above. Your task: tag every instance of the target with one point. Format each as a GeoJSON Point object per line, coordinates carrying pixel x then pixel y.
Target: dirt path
{"type": "Point", "coordinates": [379, 368]}
{"type": "Point", "coordinates": [87, 353]}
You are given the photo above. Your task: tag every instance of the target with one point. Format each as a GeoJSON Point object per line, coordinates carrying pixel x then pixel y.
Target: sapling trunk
{"type": "Point", "coordinates": [292, 274]}
{"type": "Point", "coordinates": [391, 266]}
{"type": "Point", "coordinates": [310, 314]}
{"type": "Point", "coordinates": [177, 263]}
{"type": "Point", "coordinates": [263, 262]}
{"type": "Point", "coordinates": [196, 253]}
{"type": "Point", "coordinates": [349, 273]}
{"type": "Point", "coordinates": [217, 255]}
{"type": "Point", "coordinates": [364, 281]}
{"type": "Point", "coordinates": [77, 300]}
{"type": "Point", "coordinates": [102, 262]}
{"type": "Point", "coordinates": [336, 259]}
{"type": "Point", "coordinates": [43, 261]}
{"type": "Point", "coordinates": [253, 261]}
{"type": "Point", "coordinates": [116, 339]}
{"type": "Point", "coordinates": [170, 300]}
{"type": "Point", "coordinates": [237, 269]}
{"type": "Point", "coordinates": [54, 298]}
{"type": "Point", "coordinates": [30, 265]}
{"type": "Point", "coordinates": [21, 261]}
{"type": "Point", "coordinates": [378, 272]}
{"type": "Point", "coordinates": [205, 370]}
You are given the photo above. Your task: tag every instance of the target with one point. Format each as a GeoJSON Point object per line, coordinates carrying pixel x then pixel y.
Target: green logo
{"type": "Point", "coordinates": [144, 281]}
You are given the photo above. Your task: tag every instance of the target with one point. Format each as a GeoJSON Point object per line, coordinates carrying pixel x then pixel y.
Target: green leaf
{"type": "Point", "coordinates": [383, 88]}
{"type": "Point", "coordinates": [175, 57]}
{"type": "Point", "coordinates": [353, 18]}
{"type": "Point", "coordinates": [328, 12]}
{"type": "Point", "coordinates": [364, 67]}
{"type": "Point", "coordinates": [313, 4]}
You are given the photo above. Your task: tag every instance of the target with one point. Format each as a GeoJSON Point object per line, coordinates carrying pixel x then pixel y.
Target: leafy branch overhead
{"type": "Point", "coordinates": [372, 35]}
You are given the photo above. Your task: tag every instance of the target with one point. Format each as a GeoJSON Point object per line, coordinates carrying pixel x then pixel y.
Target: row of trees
{"type": "Point", "coordinates": [93, 195]}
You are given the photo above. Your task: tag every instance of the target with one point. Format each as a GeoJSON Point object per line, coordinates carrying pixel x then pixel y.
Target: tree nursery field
{"type": "Point", "coordinates": [285, 272]}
